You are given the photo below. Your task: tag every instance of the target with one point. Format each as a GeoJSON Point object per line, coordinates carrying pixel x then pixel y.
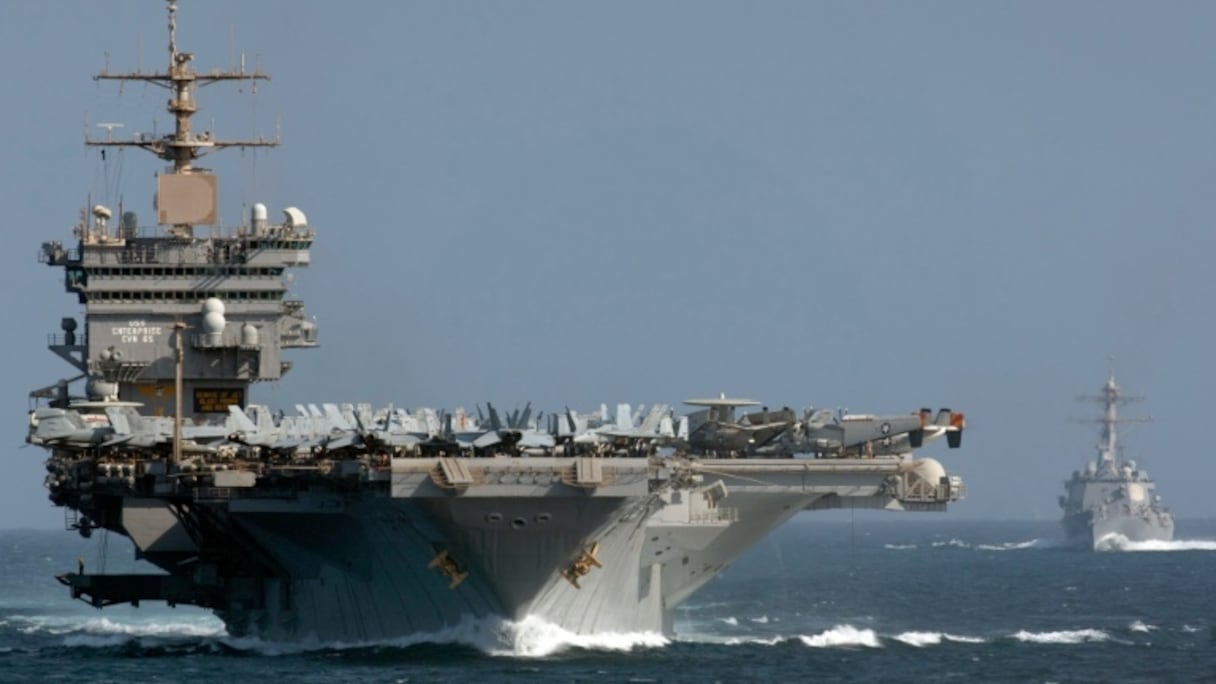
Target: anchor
{"type": "Point", "coordinates": [449, 567]}
{"type": "Point", "coordinates": [582, 565]}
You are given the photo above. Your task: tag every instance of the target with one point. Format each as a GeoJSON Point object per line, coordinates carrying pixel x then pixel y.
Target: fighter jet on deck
{"type": "Point", "coordinates": [516, 434]}
{"type": "Point", "coordinates": [111, 424]}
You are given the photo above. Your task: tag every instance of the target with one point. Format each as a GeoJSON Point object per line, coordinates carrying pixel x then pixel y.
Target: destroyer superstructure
{"type": "Point", "coordinates": [1112, 498]}
{"type": "Point", "coordinates": [347, 523]}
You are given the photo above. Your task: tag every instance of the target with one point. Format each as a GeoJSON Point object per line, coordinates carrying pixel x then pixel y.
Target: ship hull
{"type": "Point", "coordinates": [370, 572]}
{"type": "Point", "coordinates": [365, 567]}
{"type": "Point", "coordinates": [366, 574]}
{"type": "Point", "coordinates": [1085, 532]}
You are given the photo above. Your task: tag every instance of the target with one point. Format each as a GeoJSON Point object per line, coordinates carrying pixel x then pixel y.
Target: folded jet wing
{"type": "Point", "coordinates": [65, 427]}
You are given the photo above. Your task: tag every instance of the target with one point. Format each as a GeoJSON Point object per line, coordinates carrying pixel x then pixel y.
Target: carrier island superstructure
{"type": "Point", "coordinates": [1113, 497]}
{"type": "Point", "coordinates": [352, 524]}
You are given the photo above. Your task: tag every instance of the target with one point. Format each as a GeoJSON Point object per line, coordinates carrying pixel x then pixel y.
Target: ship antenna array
{"type": "Point", "coordinates": [109, 126]}
{"type": "Point", "coordinates": [181, 147]}
{"type": "Point", "coordinates": [1112, 398]}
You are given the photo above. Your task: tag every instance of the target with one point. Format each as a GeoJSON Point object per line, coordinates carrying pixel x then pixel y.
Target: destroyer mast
{"type": "Point", "coordinates": [1109, 449]}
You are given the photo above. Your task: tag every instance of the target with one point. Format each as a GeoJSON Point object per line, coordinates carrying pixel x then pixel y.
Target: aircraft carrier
{"type": "Point", "coordinates": [346, 523]}
{"type": "Point", "coordinates": [1113, 500]}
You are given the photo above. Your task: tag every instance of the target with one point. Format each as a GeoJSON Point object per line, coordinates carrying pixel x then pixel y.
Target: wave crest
{"type": "Point", "coordinates": [1010, 546]}
{"type": "Point", "coordinates": [842, 635]}
{"type": "Point", "coordinates": [960, 544]}
{"type": "Point", "coordinates": [531, 637]}
{"type": "Point", "coordinates": [534, 637]}
{"type": "Point", "coordinates": [1075, 636]}
{"type": "Point", "coordinates": [104, 627]}
{"type": "Point", "coordinates": [921, 639]}
{"type": "Point", "coordinates": [1118, 542]}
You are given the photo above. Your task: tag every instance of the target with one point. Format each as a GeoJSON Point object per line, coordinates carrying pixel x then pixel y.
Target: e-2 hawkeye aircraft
{"type": "Point", "coordinates": [715, 430]}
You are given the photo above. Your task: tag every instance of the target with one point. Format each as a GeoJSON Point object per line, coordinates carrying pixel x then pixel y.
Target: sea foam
{"type": "Point", "coordinates": [534, 637]}
{"type": "Point", "coordinates": [1009, 546]}
{"type": "Point", "coordinates": [1076, 636]}
{"type": "Point", "coordinates": [74, 626]}
{"type": "Point", "coordinates": [1117, 542]}
{"type": "Point", "coordinates": [531, 637]}
{"type": "Point", "coordinates": [921, 639]}
{"type": "Point", "coordinates": [842, 635]}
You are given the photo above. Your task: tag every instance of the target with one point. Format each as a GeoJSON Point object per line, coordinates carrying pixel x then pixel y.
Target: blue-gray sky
{"type": "Point", "coordinates": [872, 205]}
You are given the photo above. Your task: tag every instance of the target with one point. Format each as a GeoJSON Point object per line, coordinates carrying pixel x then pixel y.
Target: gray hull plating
{"type": "Point", "coordinates": [364, 574]}
{"type": "Point", "coordinates": [361, 568]}
{"type": "Point", "coordinates": [1086, 531]}
{"type": "Point", "coordinates": [1138, 529]}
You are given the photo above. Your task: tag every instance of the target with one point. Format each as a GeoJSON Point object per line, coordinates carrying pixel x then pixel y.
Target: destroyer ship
{"type": "Point", "coordinates": [1113, 499]}
{"type": "Point", "coordinates": [347, 523]}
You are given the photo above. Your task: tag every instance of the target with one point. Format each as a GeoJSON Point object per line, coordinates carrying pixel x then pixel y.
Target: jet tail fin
{"type": "Point", "coordinates": [118, 421]}
{"type": "Point", "coordinates": [335, 417]}
{"type": "Point", "coordinates": [666, 427]}
{"type": "Point", "coordinates": [240, 421]}
{"type": "Point", "coordinates": [954, 436]}
{"type": "Point", "coordinates": [53, 423]}
{"type": "Point", "coordinates": [624, 417]}
{"type": "Point", "coordinates": [653, 419]}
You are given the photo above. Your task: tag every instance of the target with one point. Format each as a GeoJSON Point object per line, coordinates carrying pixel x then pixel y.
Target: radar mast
{"type": "Point", "coordinates": [142, 290]}
{"type": "Point", "coordinates": [1112, 398]}
{"type": "Point", "coordinates": [186, 196]}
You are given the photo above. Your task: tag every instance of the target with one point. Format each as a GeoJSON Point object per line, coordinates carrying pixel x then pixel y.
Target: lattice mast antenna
{"type": "Point", "coordinates": [182, 147]}
{"type": "Point", "coordinates": [1112, 398]}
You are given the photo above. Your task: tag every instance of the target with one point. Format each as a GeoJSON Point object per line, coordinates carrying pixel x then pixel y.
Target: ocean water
{"type": "Point", "coordinates": [899, 598]}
